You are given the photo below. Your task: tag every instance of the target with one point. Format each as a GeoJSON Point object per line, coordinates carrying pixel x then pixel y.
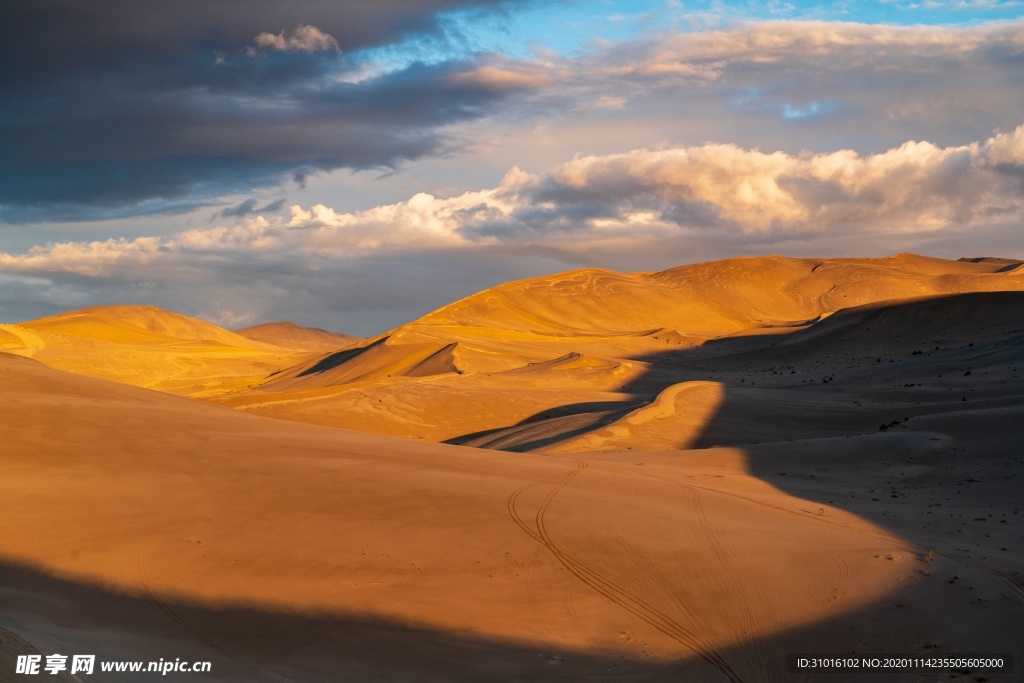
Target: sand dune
{"type": "Point", "coordinates": [138, 325]}
{"type": "Point", "coordinates": [511, 345]}
{"type": "Point", "coordinates": [290, 335]}
{"type": "Point", "coordinates": [373, 361]}
{"type": "Point", "coordinates": [148, 347]}
{"type": "Point", "coordinates": [714, 298]}
{"type": "Point", "coordinates": [674, 476]}
{"type": "Point", "coordinates": [536, 567]}
{"type": "Point", "coordinates": [674, 419]}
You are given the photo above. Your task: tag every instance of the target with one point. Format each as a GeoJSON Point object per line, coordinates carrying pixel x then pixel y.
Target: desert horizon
{"type": "Point", "coordinates": [460, 341]}
{"type": "Point", "coordinates": [677, 475]}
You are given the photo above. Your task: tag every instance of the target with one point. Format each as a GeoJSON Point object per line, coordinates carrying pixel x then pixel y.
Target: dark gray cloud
{"type": "Point", "coordinates": [249, 207]}
{"type": "Point", "coordinates": [115, 102]}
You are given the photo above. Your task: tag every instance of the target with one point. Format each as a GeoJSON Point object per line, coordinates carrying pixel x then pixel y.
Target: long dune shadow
{"type": "Point", "coordinates": [857, 372]}
{"type": "Point", "coordinates": [908, 415]}
{"type": "Point", "coordinates": [777, 392]}
{"type": "Point", "coordinates": [909, 397]}
{"type": "Point", "coordinates": [44, 614]}
{"type": "Point", "coordinates": [845, 375]}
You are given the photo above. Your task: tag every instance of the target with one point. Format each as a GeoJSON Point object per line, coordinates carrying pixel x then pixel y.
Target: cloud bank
{"type": "Point", "coordinates": [139, 105]}
{"type": "Point", "coordinates": [615, 209]}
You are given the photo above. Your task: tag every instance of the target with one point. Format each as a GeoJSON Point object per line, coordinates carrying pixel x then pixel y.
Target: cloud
{"type": "Point", "coordinates": [961, 5]}
{"type": "Point", "coordinates": [135, 106]}
{"type": "Point", "coordinates": [301, 38]}
{"type": "Point", "coordinates": [248, 207]}
{"type": "Point", "coordinates": [788, 85]}
{"type": "Point", "coordinates": [621, 209]}
{"type": "Point", "coordinates": [116, 104]}
{"type": "Point", "coordinates": [497, 78]}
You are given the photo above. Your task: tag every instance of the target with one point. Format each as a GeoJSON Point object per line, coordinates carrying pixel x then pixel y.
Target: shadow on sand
{"type": "Point", "coordinates": [807, 411]}
{"type": "Point", "coordinates": [257, 645]}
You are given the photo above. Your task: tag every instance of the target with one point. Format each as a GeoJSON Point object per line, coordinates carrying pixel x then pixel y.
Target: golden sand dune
{"type": "Point", "coordinates": [674, 419]}
{"type": "Point", "coordinates": [717, 465]}
{"type": "Point", "coordinates": [412, 406]}
{"type": "Point", "coordinates": [714, 298]}
{"type": "Point", "coordinates": [149, 347]}
{"type": "Point", "coordinates": [137, 525]}
{"type": "Point", "coordinates": [553, 357]}
{"type": "Point", "coordinates": [842, 376]}
{"type": "Point", "coordinates": [373, 361]}
{"type": "Point", "coordinates": [290, 335]}
{"type": "Point", "coordinates": [20, 340]}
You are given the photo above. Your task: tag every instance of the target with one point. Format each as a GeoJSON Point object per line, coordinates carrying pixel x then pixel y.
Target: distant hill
{"type": "Point", "coordinates": [713, 298]}
{"type": "Point", "coordinates": [149, 347]}
{"type": "Point", "coordinates": [290, 335]}
{"type": "Point", "coordinates": [132, 324]}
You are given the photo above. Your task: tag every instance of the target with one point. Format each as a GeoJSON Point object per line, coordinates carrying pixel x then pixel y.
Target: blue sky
{"type": "Point", "coordinates": [355, 166]}
{"type": "Point", "coordinates": [573, 27]}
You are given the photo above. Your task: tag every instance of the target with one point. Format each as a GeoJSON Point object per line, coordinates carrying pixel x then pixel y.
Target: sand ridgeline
{"type": "Point", "coordinates": [648, 504]}
{"type": "Point", "coordinates": [150, 347]}
{"type": "Point", "coordinates": [584, 346]}
{"type": "Point", "coordinates": [290, 335]}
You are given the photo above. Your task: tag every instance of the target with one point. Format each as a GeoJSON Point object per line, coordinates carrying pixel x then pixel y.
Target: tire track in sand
{"type": "Point", "coordinates": [615, 592]}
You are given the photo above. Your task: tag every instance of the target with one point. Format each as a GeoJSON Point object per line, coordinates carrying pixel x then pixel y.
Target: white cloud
{"type": "Point", "coordinates": [91, 259]}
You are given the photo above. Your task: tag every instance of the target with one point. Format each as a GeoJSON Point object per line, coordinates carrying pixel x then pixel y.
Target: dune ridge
{"type": "Point", "coordinates": [149, 347]}
{"type": "Point", "coordinates": [673, 476]}
{"type": "Point", "coordinates": [593, 339]}
{"type": "Point", "coordinates": [290, 335]}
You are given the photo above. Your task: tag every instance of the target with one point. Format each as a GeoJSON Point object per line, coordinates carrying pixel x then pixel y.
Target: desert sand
{"type": "Point", "coordinates": [681, 476]}
{"type": "Point", "coordinates": [290, 335]}
{"type": "Point", "coordinates": [149, 347]}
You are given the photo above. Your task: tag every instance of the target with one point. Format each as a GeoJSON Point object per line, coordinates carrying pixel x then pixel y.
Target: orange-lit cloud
{"type": "Point", "coordinates": [301, 39]}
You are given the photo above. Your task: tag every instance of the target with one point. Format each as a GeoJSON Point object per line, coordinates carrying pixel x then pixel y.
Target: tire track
{"type": "Point", "coordinates": [611, 590]}
{"type": "Point", "coordinates": [729, 578]}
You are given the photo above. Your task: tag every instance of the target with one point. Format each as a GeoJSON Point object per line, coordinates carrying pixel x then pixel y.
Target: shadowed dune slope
{"type": "Point", "coordinates": [918, 320]}
{"type": "Point", "coordinates": [138, 525]}
{"type": "Point", "coordinates": [845, 375]}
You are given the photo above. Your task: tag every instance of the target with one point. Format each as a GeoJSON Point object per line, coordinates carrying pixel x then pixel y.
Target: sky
{"type": "Point", "coordinates": [354, 166]}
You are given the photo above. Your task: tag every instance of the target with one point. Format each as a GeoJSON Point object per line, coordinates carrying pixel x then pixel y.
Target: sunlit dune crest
{"type": "Point", "coordinates": [479, 348]}
{"type": "Point", "coordinates": [150, 347]}
{"type": "Point", "coordinates": [681, 475]}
